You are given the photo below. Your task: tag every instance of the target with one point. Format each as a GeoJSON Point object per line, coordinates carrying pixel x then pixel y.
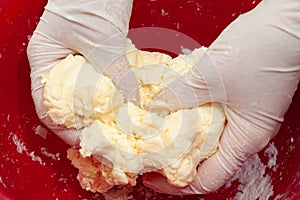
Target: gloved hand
{"type": "Point", "coordinates": [253, 70]}
{"type": "Point", "coordinates": [95, 29]}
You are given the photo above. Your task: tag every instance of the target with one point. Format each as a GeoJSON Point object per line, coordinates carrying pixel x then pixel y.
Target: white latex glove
{"type": "Point", "coordinates": [95, 29]}
{"type": "Point", "coordinates": [253, 69]}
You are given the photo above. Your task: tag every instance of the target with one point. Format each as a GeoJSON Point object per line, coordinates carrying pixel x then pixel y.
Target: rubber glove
{"type": "Point", "coordinates": [253, 70]}
{"type": "Point", "coordinates": [95, 29]}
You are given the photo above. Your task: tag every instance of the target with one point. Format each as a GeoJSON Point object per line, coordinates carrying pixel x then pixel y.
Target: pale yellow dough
{"type": "Point", "coordinates": [130, 138]}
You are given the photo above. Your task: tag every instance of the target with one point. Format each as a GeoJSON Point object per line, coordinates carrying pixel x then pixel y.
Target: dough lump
{"type": "Point", "coordinates": [120, 140]}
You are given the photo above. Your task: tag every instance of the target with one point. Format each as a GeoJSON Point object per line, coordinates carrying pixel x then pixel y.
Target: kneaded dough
{"type": "Point", "coordinates": [128, 138]}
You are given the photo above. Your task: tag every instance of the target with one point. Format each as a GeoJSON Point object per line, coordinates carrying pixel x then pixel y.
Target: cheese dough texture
{"type": "Point", "coordinates": [129, 140]}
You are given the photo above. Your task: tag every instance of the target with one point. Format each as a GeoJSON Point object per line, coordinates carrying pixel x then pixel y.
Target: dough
{"type": "Point", "coordinates": [125, 139]}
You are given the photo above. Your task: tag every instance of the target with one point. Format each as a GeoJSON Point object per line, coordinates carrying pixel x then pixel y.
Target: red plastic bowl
{"type": "Point", "coordinates": [34, 168]}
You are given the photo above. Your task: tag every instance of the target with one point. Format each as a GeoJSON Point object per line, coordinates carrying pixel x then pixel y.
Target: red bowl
{"type": "Point", "coordinates": [36, 168]}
